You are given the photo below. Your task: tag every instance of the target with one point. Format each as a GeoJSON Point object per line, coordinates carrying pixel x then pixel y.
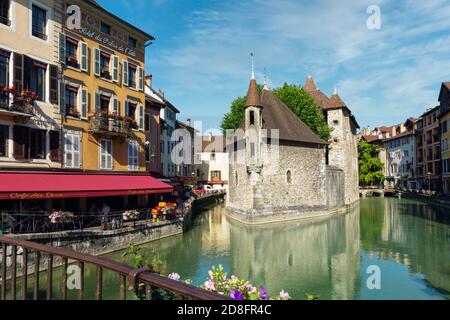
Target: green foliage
{"type": "Point", "coordinates": [312, 297]}
{"type": "Point", "coordinates": [296, 99]}
{"type": "Point", "coordinates": [370, 166]}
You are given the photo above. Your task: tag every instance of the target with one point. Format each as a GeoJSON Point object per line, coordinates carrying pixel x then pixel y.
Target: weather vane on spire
{"type": "Point", "coordinates": [253, 66]}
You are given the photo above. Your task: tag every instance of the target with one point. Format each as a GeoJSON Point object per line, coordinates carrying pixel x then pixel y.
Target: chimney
{"type": "Point", "coordinates": [188, 122]}
{"type": "Point", "coordinates": [149, 80]}
{"type": "Point", "coordinates": [161, 93]}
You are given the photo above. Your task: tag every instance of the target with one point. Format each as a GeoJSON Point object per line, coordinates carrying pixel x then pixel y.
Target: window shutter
{"type": "Point", "coordinates": [127, 111]}
{"type": "Point", "coordinates": [97, 62]}
{"type": "Point", "coordinates": [21, 137]}
{"type": "Point", "coordinates": [27, 61]}
{"type": "Point", "coordinates": [76, 151]}
{"type": "Point", "coordinates": [62, 97]}
{"type": "Point", "coordinates": [84, 103]}
{"type": "Point", "coordinates": [141, 78]}
{"type": "Point", "coordinates": [125, 73]}
{"type": "Point", "coordinates": [53, 84]}
{"type": "Point", "coordinates": [62, 48]}
{"type": "Point", "coordinates": [84, 56]}
{"type": "Point", "coordinates": [18, 71]}
{"type": "Point", "coordinates": [54, 146]}
{"type": "Point", "coordinates": [115, 68]}
{"type": "Point", "coordinates": [97, 102]}
{"type": "Point", "coordinates": [141, 117]}
{"type": "Point", "coordinates": [115, 109]}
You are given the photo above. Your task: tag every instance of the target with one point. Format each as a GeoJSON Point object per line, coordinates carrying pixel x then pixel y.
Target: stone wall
{"type": "Point", "coordinates": [271, 191]}
{"type": "Point", "coordinates": [343, 151]}
{"type": "Point", "coordinates": [335, 187]}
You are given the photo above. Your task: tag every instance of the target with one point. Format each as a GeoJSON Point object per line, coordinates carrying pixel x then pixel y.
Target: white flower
{"type": "Point", "coordinates": [174, 276]}
{"type": "Point", "coordinates": [284, 295]}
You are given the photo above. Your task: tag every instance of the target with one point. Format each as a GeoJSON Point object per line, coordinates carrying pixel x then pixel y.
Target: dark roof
{"type": "Point", "coordinates": [98, 6]}
{"type": "Point", "coordinates": [318, 96]}
{"type": "Point", "coordinates": [370, 138]}
{"type": "Point", "coordinates": [253, 95]}
{"type": "Point", "coordinates": [430, 110]}
{"type": "Point", "coordinates": [336, 102]}
{"type": "Point", "coordinates": [276, 115]}
{"type": "Point", "coordinates": [398, 136]}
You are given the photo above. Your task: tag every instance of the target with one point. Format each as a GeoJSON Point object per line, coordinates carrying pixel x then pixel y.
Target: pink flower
{"type": "Point", "coordinates": [209, 285]}
{"type": "Point", "coordinates": [284, 295]}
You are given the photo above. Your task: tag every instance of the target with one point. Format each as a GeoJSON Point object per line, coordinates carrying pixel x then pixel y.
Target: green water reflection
{"type": "Point", "coordinates": [408, 240]}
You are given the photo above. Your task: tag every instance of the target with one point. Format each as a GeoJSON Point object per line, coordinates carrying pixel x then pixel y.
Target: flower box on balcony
{"type": "Point", "coordinates": [73, 112]}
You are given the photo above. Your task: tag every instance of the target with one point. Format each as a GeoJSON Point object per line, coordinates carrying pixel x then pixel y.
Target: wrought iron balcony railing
{"type": "Point", "coordinates": [104, 124]}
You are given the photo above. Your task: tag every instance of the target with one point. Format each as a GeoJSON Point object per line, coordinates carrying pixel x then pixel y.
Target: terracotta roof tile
{"type": "Point", "coordinates": [253, 98]}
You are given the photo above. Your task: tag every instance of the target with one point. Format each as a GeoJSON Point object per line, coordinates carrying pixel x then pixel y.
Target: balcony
{"type": "Point", "coordinates": [22, 103]}
{"type": "Point", "coordinates": [110, 125]}
{"type": "Point", "coordinates": [39, 35]}
{"type": "Point", "coordinates": [72, 111]}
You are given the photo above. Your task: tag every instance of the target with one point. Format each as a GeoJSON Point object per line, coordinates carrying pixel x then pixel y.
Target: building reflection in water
{"type": "Point", "coordinates": [319, 257]}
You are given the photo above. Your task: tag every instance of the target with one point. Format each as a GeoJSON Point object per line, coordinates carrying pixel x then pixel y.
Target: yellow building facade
{"type": "Point", "coordinates": [102, 96]}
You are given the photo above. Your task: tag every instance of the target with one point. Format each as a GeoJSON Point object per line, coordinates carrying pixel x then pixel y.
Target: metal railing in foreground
{"type": "Point", "coordinates": [129, 278]}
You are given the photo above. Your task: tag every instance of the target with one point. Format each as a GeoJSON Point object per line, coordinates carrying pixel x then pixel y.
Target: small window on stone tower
{"type": "Point", "coordinates": [252, 118]}
{"type": "Point", "coordinates": [237, 178]}
{"type": "Point", "coordinates": [252, 149]}
{"type": "Point", "coordinates": [289, 176]}
{"type": "Point", "coordinates": [336, 122]}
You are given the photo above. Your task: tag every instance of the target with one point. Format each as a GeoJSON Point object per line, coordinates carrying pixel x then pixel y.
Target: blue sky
{"type": "Point", "coordinates": [201, 58]}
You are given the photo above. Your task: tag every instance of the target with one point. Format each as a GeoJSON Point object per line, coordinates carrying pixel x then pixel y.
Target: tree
{"type": "Point", "coordinates": [370, 166]}
{"type": "Point", "coordinates": [292, 96]}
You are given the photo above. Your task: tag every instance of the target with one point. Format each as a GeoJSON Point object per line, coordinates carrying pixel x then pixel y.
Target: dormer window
{"type": "Point", "coordinates": [132, 42]}
{"type": "Point", "coordinates": [105, 28]}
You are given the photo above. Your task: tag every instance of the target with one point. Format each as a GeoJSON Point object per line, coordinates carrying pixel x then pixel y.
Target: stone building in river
{"type": "Point", "coordinates": [281, 170]}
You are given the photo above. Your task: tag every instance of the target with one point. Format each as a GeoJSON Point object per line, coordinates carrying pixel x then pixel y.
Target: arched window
{"type": "Point", "coordinates": [289, 176]}
{"type": "Point", "coordinates": [237, 178]}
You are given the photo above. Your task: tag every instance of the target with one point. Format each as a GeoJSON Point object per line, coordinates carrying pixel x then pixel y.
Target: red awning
{"type": "Point", "coordinates": [66, 185]}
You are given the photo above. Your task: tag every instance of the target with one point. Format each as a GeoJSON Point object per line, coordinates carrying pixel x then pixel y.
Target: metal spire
{"type": "Point", "coordinates": [253, 66]}
{"type": "Point", "coordinates": [335, 91]}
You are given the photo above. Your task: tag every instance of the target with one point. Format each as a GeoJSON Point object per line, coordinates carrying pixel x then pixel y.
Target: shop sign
{"type": "Point", "coordinates": [108, 42]}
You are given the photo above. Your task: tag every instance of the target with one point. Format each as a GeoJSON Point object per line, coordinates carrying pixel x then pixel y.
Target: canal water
{"type": "Point", "coordinates": [407, 240]}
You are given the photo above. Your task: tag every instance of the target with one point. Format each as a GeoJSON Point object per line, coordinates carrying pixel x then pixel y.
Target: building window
{"type": "Point", "coordinates": [289, 176]}
{"type": "Point", "coordinates": [4, 136]}
{"type": "Point", "coordinates": [133, 155]}
{"type": "Point", "coordinates": [132, 42]}
{"type": "Point", "coordinates": [104, 103]}
{"type": "Point", "coordinates": [216, 176]}
{"type": "Point", "coordinates": [72, 158]}
{"type": "Point", "coordinates": [71, 101]}
{"type": "Point", "coordinates": [71, 52]}
{"type": "Point", "coordinates": [37, 79]}
{"type": "Point", "coordinates": [132, 75]}
{"type": "Point", "coordinates": [105, 58]}
{"type": "Point", "coordinates": [131, 113]}
{"type": "Point", "coordinates": [252, 149]}
{"type": "Point", "coordinates": [236, 177]}
{"type": "Point", "coordinates": [37, 144]}
{"type": "Point", "coordinates": [336, 122]}
{"type": "Point", "coordinates": [252, 118]}
{"type": "Point", "coordinates": [4, 78]}
{"type": "Point", "coordinates": [4, 12]}
{"type": "Point", "coordinates": [105, 28]}
{"type": "Point", "coordinates": [213, 156]}
{"type": "Point", "coordinates": [39, 22]}
{"type": "Point", "coordinates": [106, 161]}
